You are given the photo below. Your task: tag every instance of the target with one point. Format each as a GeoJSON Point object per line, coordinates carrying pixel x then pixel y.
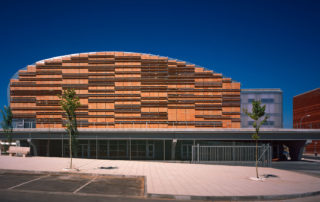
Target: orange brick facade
{"type": "Point", "coordinates": [126, 90]}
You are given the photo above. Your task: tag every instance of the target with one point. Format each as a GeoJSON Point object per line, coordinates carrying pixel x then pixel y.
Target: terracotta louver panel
{"type": "Point", "coordinates": [119, 89]}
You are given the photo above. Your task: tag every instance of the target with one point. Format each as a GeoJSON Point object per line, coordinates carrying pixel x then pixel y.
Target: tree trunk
{"type": "Point", "coordinates": [6, 147]}
{"type": "Point", "coordinates": [70, 149]}
{"type": "Point", "coordinates": [257, 159]}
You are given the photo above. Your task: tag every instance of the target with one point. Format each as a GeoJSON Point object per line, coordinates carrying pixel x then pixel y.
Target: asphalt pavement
{"type": "Point", "coordinates": [305, 166]}
{"type": "Point", "coordinates": [14, 186]}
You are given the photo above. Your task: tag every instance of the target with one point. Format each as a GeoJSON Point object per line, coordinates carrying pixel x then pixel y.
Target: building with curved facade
{"type": "Point", "coordinates": [135, 106]}
{"type": "Point", "coordinates": [125, 90]}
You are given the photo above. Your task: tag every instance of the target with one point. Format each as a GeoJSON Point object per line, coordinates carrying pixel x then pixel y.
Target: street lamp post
{"type": "Point", "coordinates": [315, 144]}
{"type": "Point", "coordinates": [306, 115]}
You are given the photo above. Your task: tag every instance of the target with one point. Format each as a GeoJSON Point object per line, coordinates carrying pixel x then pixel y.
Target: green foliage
{"type": "Point", "coordinates": [6, 123]}
{"type": "Point", "coordinates": [69, 103]}
{"type": "Point", "coordinates": [257, 114]}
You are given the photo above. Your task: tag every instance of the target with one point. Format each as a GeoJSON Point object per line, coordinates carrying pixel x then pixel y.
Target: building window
{"type": "Point", "coordinates": [23, 123]}
{"type": "Point", "coordinates": [267, 123]}
{"type": "Point", "coordinates": [267, 100]}
{"type": "Point", "coordinates": [263, 100]}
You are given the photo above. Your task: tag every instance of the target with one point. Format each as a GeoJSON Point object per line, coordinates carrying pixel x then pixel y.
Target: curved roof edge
{"type": "Point", "coordinates": [15, 76]}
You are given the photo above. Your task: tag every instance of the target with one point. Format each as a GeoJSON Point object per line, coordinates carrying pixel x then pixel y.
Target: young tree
{"type": "Point", "coordinates": [259, 118]}
{"type": "Point", "coordinates": [69, 103]}
{"type": "Point", "coordinates": [6, 124]}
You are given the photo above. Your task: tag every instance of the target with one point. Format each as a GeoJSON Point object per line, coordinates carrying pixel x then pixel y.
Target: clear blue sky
{"type": "Point", "coordinates": [262, 44]}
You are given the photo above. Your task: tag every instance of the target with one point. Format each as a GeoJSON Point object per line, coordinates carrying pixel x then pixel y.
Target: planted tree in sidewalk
{"type": "Point", "coordinates": [259, 118]}
{"type": "Point", "coordinates": [6, 124]}
{"type": "Point", "coordinates": [69, 103]}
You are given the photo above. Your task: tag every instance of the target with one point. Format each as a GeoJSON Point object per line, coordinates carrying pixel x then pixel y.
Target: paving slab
{"type": "Point", "coordinates": [183, 180]}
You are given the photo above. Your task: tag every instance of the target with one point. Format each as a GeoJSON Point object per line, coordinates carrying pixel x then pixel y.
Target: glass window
{"type": "Point", "coordinates": [23, 123]}
{"type": "Point", "coordinates": [267, 100]}
{"type": "Point", "coordinates": [267, 123]}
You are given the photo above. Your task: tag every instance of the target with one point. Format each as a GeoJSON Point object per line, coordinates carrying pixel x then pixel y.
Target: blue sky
{"type": "Point", "coordinates": [262, 44]}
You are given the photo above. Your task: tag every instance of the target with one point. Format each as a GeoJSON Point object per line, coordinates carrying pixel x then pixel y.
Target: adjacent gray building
{"type": "Point", "coordinates": [272, 98]}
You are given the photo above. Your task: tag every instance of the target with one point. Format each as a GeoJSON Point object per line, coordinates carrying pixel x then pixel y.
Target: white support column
{"type": "Point", "coordinates": [173, 149]}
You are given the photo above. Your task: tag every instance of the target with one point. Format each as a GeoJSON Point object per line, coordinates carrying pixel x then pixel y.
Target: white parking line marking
{"type": "Point", "coordinates": [85, 185]}
{"type": "Point", "coordinates": [28, 182]}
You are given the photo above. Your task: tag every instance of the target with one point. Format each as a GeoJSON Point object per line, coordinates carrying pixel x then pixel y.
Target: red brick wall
{"type": "Point", "coordinates": [307, 104]}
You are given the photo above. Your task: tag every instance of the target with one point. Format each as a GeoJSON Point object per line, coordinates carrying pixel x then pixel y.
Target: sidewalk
{"type": "Point", "coordinates": [311, 157]}
{"type": "Point", "coordinates": [182, 180]}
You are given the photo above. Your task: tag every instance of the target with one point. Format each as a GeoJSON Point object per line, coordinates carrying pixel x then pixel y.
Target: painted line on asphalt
{"type": "Point", "coordinates": [85, 185]}
{"type": "Point", "coordinates": [28, 181]}
{"type": "Point", "coordinates": [71, 194]}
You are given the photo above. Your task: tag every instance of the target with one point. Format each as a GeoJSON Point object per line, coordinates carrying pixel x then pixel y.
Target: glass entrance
{"type": "Point", "coordinates": [138, 149]}
{"type": "Point", "coordinates": [150, 151]}
{"type": "Point", "coordinates": [83, 151]}
{"type": "Point", "coordinates": [186, 151]}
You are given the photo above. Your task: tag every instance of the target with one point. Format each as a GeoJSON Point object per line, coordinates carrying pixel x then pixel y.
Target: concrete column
{"type": "Point", "coordinates": [127, 153]}
{"type": "Point", "coordinates": [62, 153]}
{"type": "Point", "coordinates": [17, 143]}
{"type": "Point", "coordinates": [296, 149]}
{"type": "Point", "coordinates": [97, 148]}
{"type": "Point", "coordinates": [89, 149]}
{"type": "Point", "coordinates": [130, 148]}
{"type": "Point", "coordinates": [164, 150]}
{"type": "Point", "coordinates": [173, 149]}
{"type": "Point", "coordinates": [48, 148]}
{"type": "Point", "coordinates": [108, 149]}
{"type": "Point", "coordinates": [35, 152]}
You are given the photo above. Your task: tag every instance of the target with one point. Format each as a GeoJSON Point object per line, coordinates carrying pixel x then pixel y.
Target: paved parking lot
{"type": "Point", "coordinates": [27, 187]}
{"type": "Point", "coordinates": [72, 184]}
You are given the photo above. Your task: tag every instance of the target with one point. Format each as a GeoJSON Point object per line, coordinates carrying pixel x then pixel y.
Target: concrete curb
{"type": "Point", "coordinates": [234, 198]}
{"type": "Point", "coordinates": [178, 197]}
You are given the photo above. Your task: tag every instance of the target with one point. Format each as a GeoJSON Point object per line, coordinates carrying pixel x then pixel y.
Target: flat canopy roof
{"type": "Point", "coordinates": [261, 90]}
{"type": "Point", "coordinates": [168, 133]}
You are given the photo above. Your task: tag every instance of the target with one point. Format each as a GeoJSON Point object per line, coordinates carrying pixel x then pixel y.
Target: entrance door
{"type": "Point", "coordinates": [186, 151]}
{"type": "Point", "coordinates": [83, 151]}
{"type": "Point", "coordinates": [150, 151]}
